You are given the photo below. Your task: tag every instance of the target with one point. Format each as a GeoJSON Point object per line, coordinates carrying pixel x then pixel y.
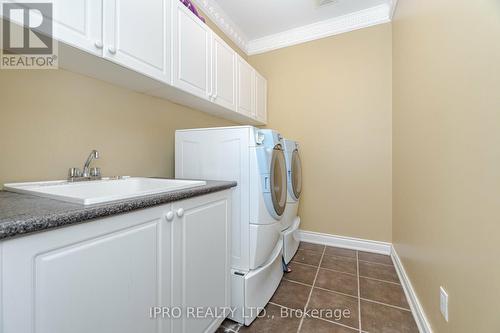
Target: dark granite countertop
{"type": "Point", "coordinates": [22, 214]}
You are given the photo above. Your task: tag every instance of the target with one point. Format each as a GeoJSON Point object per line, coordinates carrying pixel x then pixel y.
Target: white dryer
{"type": "Point", "coordinates": [291, 221]}
{"type": "Point", "coordinates": [255, 159]}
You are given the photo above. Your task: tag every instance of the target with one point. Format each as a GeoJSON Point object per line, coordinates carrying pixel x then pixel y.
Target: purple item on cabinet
{"type": "Point", "coordinates": [192, 8]}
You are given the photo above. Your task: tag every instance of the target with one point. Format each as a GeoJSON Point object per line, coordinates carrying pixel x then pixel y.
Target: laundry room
{"type": "Point", "coordinates": [189, 166]}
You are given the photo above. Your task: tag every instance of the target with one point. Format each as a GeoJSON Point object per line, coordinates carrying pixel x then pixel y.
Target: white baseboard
{"type": "Point", "coordinates": [345, 242]}
{"type": "Point", "coordinates": [411, 296]}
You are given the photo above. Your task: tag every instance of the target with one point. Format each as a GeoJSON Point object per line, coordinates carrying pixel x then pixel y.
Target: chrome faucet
{"type": "Point", "coordinates": [88, 173]}
{"type": "Point", "coordinates": [94, 154]}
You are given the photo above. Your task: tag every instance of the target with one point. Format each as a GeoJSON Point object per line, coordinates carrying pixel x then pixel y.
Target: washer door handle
{"type": "Point", "coordinates": [266, 184]}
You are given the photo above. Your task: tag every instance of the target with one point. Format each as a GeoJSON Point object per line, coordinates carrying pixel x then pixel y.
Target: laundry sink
{"type": "Point", "coordinates": [102, 191]}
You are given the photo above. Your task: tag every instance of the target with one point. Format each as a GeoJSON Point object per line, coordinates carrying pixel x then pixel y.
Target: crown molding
{"type": "Point", "coordinates": [353, 21]}
{"type": "Point", "coordinates": [394, 6]}
{"type": "Point", "coordinates": [223, 21]}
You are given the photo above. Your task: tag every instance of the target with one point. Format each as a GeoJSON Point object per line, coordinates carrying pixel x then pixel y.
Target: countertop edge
{"type": "Point", "coordinates": [25, 225]}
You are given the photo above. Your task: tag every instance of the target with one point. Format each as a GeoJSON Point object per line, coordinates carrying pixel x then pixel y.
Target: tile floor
{"type": "Point", "coordinates": [361, 289]}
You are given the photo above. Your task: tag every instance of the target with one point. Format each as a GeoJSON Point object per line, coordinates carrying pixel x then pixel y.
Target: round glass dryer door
{"type": "Point", "coordinates": [296, 175]}
{"type": "Point", "coordinates": [278, 180]}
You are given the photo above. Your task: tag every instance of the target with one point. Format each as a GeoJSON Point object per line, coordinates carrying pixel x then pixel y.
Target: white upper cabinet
{"type": "Point", "coordinates": [224, 74]}
{"type": "Point", "coordinates": [246, 88]}
{"type": "Point", "coordinates": [192, 52]}
{"type": "Point", "coordinates": [79, 24]}
{"type": "Point", "coordinates": [137, 35]}
{"type": "Point", "coordinates": [167, 51]}
{"type": "Point", "coordinates": [260, 98]}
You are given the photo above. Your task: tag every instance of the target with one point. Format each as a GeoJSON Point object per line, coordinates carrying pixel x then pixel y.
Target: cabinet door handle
{"type": "Point", "coordinates": [169, 216]}
{"type": "Point", "coordinates": [180, 212]}
{"type": "Point", "coordinates": [111, 50]}
{"type": "Point", "coordinates": [98, 44]}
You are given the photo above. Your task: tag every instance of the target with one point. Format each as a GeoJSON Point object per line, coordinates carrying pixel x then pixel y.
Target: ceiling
{"type": "Point", "coordinates": [259, 18]}
{"type": "Point", "coordinates": [258, 26]}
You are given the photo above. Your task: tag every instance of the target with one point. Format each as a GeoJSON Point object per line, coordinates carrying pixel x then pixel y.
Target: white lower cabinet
{"type": "Point", "coordinates": [108, 275]}
{"type": "Point", "coordinates": [202, 273]}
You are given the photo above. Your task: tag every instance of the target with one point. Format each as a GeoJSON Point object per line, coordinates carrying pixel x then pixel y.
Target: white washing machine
{"type": "Point", "coordinates": [291, 221]}
{"type": "Point", "coordinates": [255, 159]}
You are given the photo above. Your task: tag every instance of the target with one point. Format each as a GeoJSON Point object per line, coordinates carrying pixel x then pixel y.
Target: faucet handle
{"type": "Point", "coordinates": [74, 172]}
{"type": "Point", "coordinates": [95, 172]}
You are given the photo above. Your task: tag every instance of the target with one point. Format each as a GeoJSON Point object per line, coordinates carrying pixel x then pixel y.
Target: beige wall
{"type": "Point", "coordinates": [50, 120]}
{"type": "Point", "coordinates": [447, 157]}
{"type": "Point", "coordinates": [334, 96]}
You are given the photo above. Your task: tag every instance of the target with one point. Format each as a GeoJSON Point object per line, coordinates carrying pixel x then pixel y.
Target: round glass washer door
{"type": "Point", "coordinates": [278, 180]}
{"type": "Point", "coordinates": [296, 176]}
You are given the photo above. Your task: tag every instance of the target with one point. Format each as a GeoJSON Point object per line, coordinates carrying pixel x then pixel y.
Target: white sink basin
{"type": "Point", "coordinates": [102, 191]}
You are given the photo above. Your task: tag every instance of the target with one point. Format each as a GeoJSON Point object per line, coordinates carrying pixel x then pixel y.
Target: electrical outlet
{"type": "Point", "coordinates": [443, 302]}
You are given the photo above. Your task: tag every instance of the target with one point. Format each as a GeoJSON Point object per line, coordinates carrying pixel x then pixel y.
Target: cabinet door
{"type": "Point", "coordinates": [79, 24]}
{"type": "Point", "coordinates": [101, 277]}
{"type": "Point", "coordinates": [260, 97]}
{"type": "Point", "coordinates": [192, 53]}
{"type": "Point", "coordinates": [76, 22]}
{"type": "Point", "coordinates": [137, 35]}
{"type": "Point", "coordinates": [202, 270]}
{"type": "Point", "coordinates": [246, 88]}
{"type": "Point", "coordinates": [224, 70]}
